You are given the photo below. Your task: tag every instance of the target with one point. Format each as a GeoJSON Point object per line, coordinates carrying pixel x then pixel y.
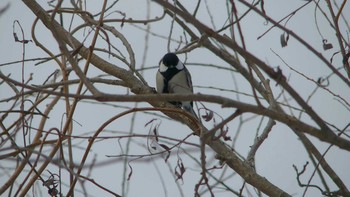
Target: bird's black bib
{"type": "Point", "coordinates": [167, 76]}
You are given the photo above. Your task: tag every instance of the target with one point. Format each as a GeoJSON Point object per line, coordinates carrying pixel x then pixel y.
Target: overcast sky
{"type": "Point", "coordinates": [279, 152]}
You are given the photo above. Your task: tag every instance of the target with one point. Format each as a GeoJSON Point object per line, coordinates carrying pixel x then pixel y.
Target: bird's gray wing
{"type": "Point", "coordinates": [188, 79]}
{"type": "Point", "coordinates": [181, 83]}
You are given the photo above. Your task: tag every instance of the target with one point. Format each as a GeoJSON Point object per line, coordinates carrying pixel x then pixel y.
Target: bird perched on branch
{"type": "Point", "coordinates": [173, 77]}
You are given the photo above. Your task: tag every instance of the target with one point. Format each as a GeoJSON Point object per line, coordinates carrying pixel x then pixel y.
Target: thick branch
{"type": "Point", "coordinates": [157, 101]}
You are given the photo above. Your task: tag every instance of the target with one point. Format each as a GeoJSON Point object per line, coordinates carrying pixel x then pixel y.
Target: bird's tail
{"type": "Point", "coordinates": [189, 108]}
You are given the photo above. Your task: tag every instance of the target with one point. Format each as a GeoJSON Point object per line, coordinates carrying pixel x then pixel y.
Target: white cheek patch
{"type": "Point", "coordinates": [162, 67]}
{"type": "Point", "coordinates": [180, 66]}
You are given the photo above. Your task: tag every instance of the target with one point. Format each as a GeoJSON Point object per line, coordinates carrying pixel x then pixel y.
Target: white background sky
{"type": "Point", "coordinates": [275, 158]}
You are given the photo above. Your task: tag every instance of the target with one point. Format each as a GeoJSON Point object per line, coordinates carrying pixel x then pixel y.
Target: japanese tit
{"type": "Point", "coordinates": [173, 77]}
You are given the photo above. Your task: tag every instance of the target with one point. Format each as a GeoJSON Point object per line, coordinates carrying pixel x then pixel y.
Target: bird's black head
{"type": "Point", "coordinates": [170, 59]}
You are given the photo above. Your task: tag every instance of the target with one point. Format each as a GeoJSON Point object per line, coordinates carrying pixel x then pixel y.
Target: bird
{"type": "Point", "coordinates": [173, 77]}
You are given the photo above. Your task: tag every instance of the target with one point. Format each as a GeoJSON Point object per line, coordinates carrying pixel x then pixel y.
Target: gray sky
{"type": "Point", "coordinates": [279, 152]}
